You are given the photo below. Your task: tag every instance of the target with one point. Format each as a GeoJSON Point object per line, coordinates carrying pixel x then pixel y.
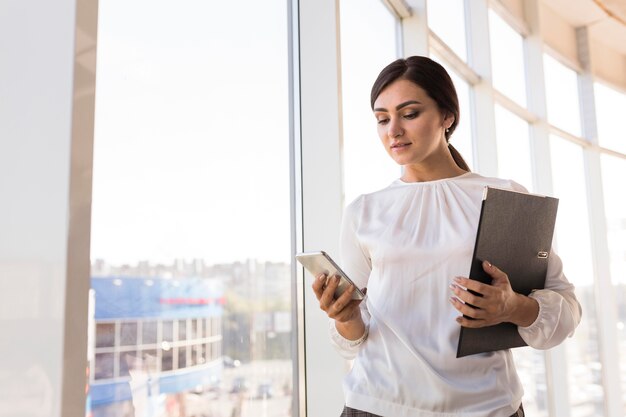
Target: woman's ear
{"type": "Point", "coordinates": [448, 120]}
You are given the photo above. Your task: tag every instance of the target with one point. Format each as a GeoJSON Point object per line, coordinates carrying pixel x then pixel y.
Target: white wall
{"type": "Point", "coordinates": [37, 46]}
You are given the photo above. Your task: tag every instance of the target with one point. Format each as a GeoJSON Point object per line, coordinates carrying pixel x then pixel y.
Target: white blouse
{"type": "Point", "coordinates": [406, 243]}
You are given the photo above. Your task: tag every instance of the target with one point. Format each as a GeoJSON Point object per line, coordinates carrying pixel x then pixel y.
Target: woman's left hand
{"type": "Point", "coordinates": [498, 303]}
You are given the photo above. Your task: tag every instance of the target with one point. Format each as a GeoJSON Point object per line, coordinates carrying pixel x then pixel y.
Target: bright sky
{"type": "Point", "coordinates": [191, 141]}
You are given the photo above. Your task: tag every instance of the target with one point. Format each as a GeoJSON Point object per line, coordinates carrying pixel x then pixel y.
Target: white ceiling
{"type": "Point", "coordinates": [606, 19]}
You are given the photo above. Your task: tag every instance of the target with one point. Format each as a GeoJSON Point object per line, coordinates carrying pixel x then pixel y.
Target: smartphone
{"type": "Point", "coordinates": [321, 263]}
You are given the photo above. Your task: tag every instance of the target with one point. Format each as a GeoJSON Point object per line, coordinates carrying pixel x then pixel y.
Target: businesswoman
{"type": "Point", "coordinates": [411, 244]}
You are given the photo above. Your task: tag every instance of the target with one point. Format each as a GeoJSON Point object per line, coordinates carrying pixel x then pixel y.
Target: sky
{"type": "Point", "coordinates": [191, 132]}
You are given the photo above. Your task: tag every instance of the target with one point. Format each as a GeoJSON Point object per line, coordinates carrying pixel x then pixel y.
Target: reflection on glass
{"type": "Point", "coordinates": [574, 246]}
{"type": "Point", "coordinates": [447, 19]}
{"type": "Point", "coordinates": [190, 231]}
{"type": "Point", "coordinates": [462, 138]}
{"type": "Point", "coordinates": [610, 105]}
{"type": "Point", "coordinates": [368, 39]}
{"type": "Point", "coordinates": [613, 174]}
{"type": "Point", "coordinates": [562, 95]}
{"type": "Point", "coordinates": [514, 161]}
{"type": "Point", "coordinates": [507, 57]}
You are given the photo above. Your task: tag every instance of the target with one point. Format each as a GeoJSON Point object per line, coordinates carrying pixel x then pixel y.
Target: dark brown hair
{"type": "Point", "coordinates": [432, 78]}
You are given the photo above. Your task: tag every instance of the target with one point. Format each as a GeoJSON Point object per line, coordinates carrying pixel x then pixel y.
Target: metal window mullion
{"type": "Point", "coordinates": [415, 30]}
{"type": "Point", "coordinates": [606, 309]}
{"type": "Point", "coordinates": [481, 94]}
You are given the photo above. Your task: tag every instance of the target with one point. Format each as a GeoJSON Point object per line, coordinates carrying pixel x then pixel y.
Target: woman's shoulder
{"type": "Point", "coordinates": [496, 182]}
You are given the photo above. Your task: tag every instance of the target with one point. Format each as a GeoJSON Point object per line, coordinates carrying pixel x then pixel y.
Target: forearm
{"type": "Point", "coordinates": [352, 329]}
{"type": "Point", "coordinates": [525, 311]}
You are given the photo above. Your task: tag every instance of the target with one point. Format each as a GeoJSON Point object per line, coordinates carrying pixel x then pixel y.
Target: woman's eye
{"type": "Point", "coordinates": [412, 115]}
{"type": "Point", "coordinates": [382, 121]}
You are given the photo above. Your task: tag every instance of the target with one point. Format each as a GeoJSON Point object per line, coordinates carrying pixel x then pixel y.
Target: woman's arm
{"type": "Point", "coordinates": [544, 319]}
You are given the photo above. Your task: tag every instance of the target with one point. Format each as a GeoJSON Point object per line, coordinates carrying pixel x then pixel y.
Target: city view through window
{"type": "Point", "coordinates": [190, 301]}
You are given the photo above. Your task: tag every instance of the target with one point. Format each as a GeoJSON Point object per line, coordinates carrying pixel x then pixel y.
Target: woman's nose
{"type": "Point", "coordinates": [395, 130]}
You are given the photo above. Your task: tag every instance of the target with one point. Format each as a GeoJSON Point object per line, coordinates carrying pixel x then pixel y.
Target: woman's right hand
{"type": "Point", "coordinates": [344, 310]}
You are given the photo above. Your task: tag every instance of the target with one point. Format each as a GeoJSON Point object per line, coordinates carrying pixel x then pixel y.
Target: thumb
{"type": "Point", "coordinates": [495, 273]}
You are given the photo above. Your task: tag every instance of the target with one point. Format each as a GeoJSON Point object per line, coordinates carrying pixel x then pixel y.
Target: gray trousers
{"type": "Point", "coordinates": [351, 412]}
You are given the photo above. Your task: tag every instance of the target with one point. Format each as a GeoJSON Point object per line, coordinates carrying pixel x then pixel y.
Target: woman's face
{"type": "Point", "coordinates": [410, 124]}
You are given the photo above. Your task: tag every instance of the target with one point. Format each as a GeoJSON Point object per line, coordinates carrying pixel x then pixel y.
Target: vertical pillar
{"type": "Point", "coordinates": [603, 289]}
{"type": "Point", "coordinates": [481, 95]}
{"type": "Point", "coordinates": [46, 134]}
{"type": "Point", "coordinates": [321, 190]}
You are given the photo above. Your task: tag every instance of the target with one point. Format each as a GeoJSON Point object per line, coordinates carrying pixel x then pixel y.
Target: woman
{"type": "Point", "coordinates": [411, 244]}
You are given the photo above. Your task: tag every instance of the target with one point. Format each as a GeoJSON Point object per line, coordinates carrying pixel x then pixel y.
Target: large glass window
{"type": "Point", "coordinates": [366, 26]}
{"type": "Point", "coordinates": [610, 105]}
{"type": "Point", "coordinates": [514, 161]}
{"type": "Point", "coordinates": [191, 212]}
{"type": "Point", "coordinates": [613, 174]}
{"type": "Point", "coordinates": [447, 19]}
{"type": "Point", "coordinates": [574, 246]}
{"type": "Point", "coordinates": [562, 95]}
{"type": "Point", "coordinates": [507, 57]}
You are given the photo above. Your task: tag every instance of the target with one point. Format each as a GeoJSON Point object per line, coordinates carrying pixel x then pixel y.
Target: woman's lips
{"type": "Point", "coordinates": [399, 146]}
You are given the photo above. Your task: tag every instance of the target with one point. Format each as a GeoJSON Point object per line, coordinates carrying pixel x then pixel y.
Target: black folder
{"type": "Point", "coordinates": [515, 234]}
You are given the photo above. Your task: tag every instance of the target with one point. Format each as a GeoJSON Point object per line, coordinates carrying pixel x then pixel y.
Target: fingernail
{"type": "Point", "coordinates": [336, 279]}
{"type": "Point", "coordinates": [489, 264]}
{"type": "Point", "coordinates": [452, 287]}
{"type": "Point", "coordinates": [322, 277]}
{"type": "Point", "coordinates": [452, 300]}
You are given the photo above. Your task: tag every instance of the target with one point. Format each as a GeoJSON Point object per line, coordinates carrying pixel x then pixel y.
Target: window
{"type": "Point", "coordinates": [191, 239]}
{"type": "Point", "coordinates": [613, 174]}
{"type": "Point", "coordinates": [447, 19]}
{"type": "Point", "coordinates": [574, 247]}
{"type": "Point", "coordinates": [366, 26]}
{"type": "Point", "coordinates": [562, 95]}
{"type": "Point", "coordinates": [610, 105]}
{"type": "Point", "coordinates": [507, 57]}
{"type": "Point", "coordinates": [514, 160]}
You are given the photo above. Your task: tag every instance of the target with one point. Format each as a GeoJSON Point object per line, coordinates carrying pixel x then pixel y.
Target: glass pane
{"type": "Point", "coordinates": [613, 174]}
{"type": "Point", "coordinates": [104, 365]}
{"type": "Point", "coordinates": [182, 330]}
{"type": "Point", "coordinates": [507, 57]}
{"type": "Point", "coordinates": [149, 332]}
{"type": "Point", "coordinates": [105, 335]}
{"type": "Point", "coordinates": [610, 105]}
{"type": "Point", "coordinates": [366, 26]}
{"type": "Point", "coordinates": [128, 334]}
{"type": "Point", "coordinates": [574, 246]}
{"type": "Point", "coordinates": [447, 19]}
{"type": "Point", "coordinates": [562, 95]}
{"type": "Point", "coordinates": [462, 138]}
{"type": "Point", "coordinates": [514, 160]}
{"type": "Point", "coordinates": [191, 209]}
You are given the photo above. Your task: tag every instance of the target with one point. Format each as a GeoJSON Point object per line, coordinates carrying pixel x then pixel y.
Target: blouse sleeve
{"type": "Point", "coordinates": [559, 310]}
{"type": "Point", "coordinates": [356, 263]}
